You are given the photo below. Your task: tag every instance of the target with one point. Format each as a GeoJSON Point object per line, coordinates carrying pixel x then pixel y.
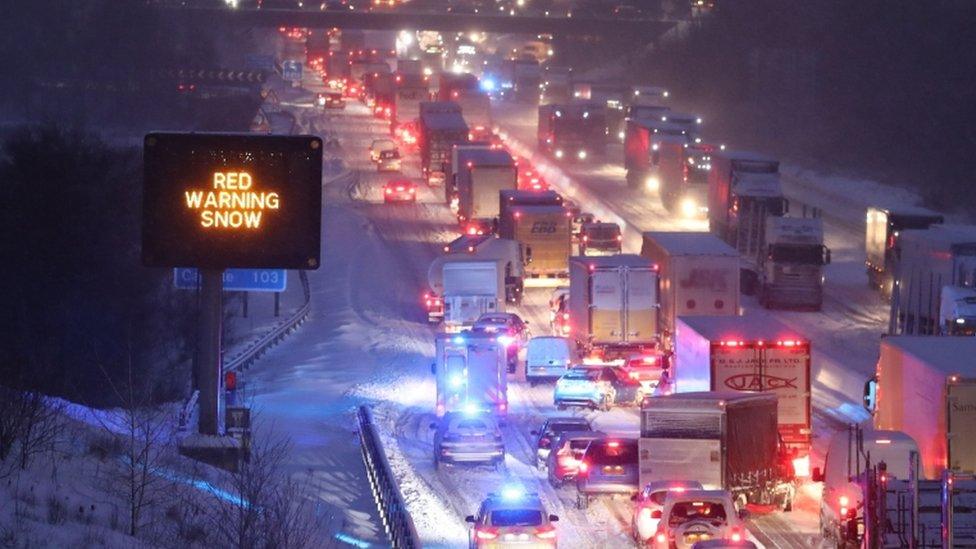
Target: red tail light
{"type": "Point", "coordinates": [736, 536]}
{"type": "Point", "coordinates": [661, 538]}
{"type": "Point", "coordinates": [485, 533]}
{"type": "Point", "coordinates": [546, 532]}
{"type": "Point", "coordinates": [584, 467]}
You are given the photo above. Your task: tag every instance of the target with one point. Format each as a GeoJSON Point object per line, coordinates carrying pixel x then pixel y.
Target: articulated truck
{"type": "Point", "coordinates": [613, 303]}
{"type": "Point", "coordinates": [944, 255]}
{"type": "Point", "coordinates": [883, 227]}
{"type": "Point", "coordinates": [481, 174]}
{"type": "Point", "coordinates": [925, 386]}
{"type": "Point", "coordinates": [441, 127]}
{"type": "Point", "coordinates": [544, 236]}
{"type": "Point", "coordinates": [482, 278]}
{"type": "Point", "coordinates": [749, 353]}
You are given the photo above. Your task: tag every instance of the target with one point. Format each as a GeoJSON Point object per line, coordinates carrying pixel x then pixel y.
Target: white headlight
{"type": "Point", "coordinates": [652, 183]}
{"type": "Point", "coordinates": [559, 153]}
{"type": "Point", "coordinates": [689, 207]}
{"type": "Point", "coordinates": [581, 155]}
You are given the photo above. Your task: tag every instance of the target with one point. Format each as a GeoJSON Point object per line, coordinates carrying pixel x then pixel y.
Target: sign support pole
{"type": "Point", "coordinates": [211, 330]}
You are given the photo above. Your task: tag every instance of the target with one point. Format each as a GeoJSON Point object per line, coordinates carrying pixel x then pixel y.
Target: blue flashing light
{"type": "Point", "coordinates": [458, 340]}
{"type": "Point", "coordinates": [471, 408]}
{"type": "Point", "coordinates": [456, 381]}
{"type": "Point", "coordinates": [512, 492]}
{"type": "Point", "coordinates": [488, 84]}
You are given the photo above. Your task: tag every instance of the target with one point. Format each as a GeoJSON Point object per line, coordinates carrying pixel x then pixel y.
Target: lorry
{"type": "Point", "coordinates": [481, 174]}
{"type": "Point", "coordinates": [476, 110]}
{"type": "Point", "coordinates": [681, 170]}
{"type": "Point", "coordinates": [749, 353]}
{"type": "Point", "coordinates": [926, 387]}
{"type": "Point", "coordinates": [557, 86]}
{"type": "Point", "coordinates": [641, 152]}
{"type": "Point", "coordinates": [411, 91]}
{"type": "Point", "coordinates": [944, 255]}
{"type": "Point", "coordinates": [544, 236]}
{"type": "Point", "coordinates": [613, 305]}
{"type": "Point", "coordinates": [527, 77]}
{"type": "Point", "coordinates": [450, 85]}
{"type": "Point", "coordinates": [725, 440]}
{"type": "Point", "coordinates": [743, 189]}
{"type": "Point", "coordinates": [882, 228]}
{"type": "Point", "coordinates": [957, 311]}
{"type": "Point", "coordinates": [470, 372]}
{"type": "Point", "coordinates": [441, 127]}
{"type": "Point", "coordinates": [699, 276]}
{"type": "Point", "coordinates": [510, 198]}
{"type": "Point", "coordinates": [790, 263]}
{"type": "Point", "coordinates": [451, 169]}
{"type": "Point", "coordinates": [470, 286]}
{"type": "Point", "coordinates": [574, 131]}
{"type": "Point", "coordinates": [482, 248]}
{"type": "Point", "coordinates": [874, 495]}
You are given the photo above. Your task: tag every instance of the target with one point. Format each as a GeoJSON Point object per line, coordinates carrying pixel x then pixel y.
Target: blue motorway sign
{"type": "Point", "coordinates": [236, 280]}
{"type": "Point", "coordinates": [291, 70]}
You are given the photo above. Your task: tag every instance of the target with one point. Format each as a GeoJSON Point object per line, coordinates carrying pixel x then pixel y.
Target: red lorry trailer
{"type": "Point", "coordinates": [640, 152]}
{"type": "Point", "coordinates": [749, 353]}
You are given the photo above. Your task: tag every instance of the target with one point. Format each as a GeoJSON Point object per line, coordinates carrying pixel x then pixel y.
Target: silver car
{"type": "Point", "coordinates": [466, 437]}
{"type": "Point", "coordinates": [609, 466]}
{"type": "Point", "coordinates": [546, 436]}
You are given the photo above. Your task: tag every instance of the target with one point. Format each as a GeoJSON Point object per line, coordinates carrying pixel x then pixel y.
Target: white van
{"type": "Point", "coordinates": [548, 357]}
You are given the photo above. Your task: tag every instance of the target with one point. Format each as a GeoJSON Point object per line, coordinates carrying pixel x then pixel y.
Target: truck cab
{"type": "Point", "coordinates": [792, 262]}
{"type": "Point", "coordinates": [957, 311]}
{"type": "Point", "coordinates": [575, 131]}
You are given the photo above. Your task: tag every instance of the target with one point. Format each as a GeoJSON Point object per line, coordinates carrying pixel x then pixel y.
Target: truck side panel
{"type": "Point", "coordinates": [699, 286]}
{"type": "Point", "coordinates": [641, 315]}
{"type": "Point", "coordinates": [486, 182]}
{"type": "Point", "coordinates": [961, 409]}
{"type": "Point", "coordinates": [910, 395]}
{"type": "Point", "coordinates": [678, 458]}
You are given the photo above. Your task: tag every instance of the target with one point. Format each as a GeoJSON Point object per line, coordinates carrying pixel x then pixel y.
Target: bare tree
{"type": "Point", "coordinates": [144, 430]}
{"type": "Point", "coordinates": [41, 426]}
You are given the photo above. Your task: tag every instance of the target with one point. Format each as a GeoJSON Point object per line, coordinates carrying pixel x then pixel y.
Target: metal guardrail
{"type": "Point", "coordinates": [257, 348]}
{"type": "Point", "coordinates": [393, 511]}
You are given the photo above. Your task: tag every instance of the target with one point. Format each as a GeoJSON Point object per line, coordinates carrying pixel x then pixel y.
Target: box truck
{"type": "Point", "coordinates": [510, 198]}
{"type": "Point", "coordinates": [471, 288]}
{"type": "Point", "coordinates": [470, 371]}
{"type": "Point", "coordinates": [613, 302]}
{"type": "Point", "coordinates": [743, 189]}
{"type": "Point", "coordinates": [699, 276]}
{"type": "Point", "coordinates": [481, 174]}
{"type": "Point", "coordinates": [925, 386]}
{"type": "Point", "coordinates": [944, 255]}
{"type": "Point", "coordinates": [749, 353]}
{"type": "Point", "coordinates": [725, 440]}
{"type": "Point", "coordinates": [572, 131]}
{"type": "Point", "coordinates": [640, 153]}
{"type": "Point", "coordinates": [482, 248]}
{"type": "Point", "coordinates": [441, 127]}
{"type": "Point", "coordinates": [882, 227]}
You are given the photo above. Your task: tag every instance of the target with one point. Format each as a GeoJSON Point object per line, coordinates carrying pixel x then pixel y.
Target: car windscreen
{"type": "Point", "coordinates": [606, 232]}
{"type": "Point", "coordinates": [613, 454]}
{"type": "Point", "coordinates": [560, 427]}
{"type": "Point", "coordinates": [583, 374]}
{"type": "Point", "coordinates": [516, 517]}
{"type": "Point", "coordinates": [686, 511]}
{"type": "Point", "coordinates": [471, 427]}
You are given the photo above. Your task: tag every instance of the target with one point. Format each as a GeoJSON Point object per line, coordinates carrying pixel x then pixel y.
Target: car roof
{"type": "Point", "coordinates": [568, 419]}
{"type": "Point", "coordinates": [699, 495]}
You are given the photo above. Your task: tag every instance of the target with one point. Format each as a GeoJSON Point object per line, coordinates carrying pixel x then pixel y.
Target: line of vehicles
{"type": "Point", "coordinates": [724, 398]}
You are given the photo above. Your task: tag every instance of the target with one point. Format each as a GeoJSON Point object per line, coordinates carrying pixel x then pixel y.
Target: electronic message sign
{"type": "Point", "coordinates": [219, 201]}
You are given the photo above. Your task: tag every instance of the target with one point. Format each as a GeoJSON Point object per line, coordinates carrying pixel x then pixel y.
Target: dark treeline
{"type": "Point", "coordinates": [104, 62]}
{"type": "Point", "coordinates": [80, 310]}
{"type": "Point", "coordinates": [883, 88]}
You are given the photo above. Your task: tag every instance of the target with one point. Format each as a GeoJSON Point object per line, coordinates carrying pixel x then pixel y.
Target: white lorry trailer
{"type": "Point", "coordinates": [926, 388]}
{"type": "Point", "coordinates": [481, 174]}
{"type": "Point", "coordinates": [699, 276]}
{"type": "Point", "coordinates": [749, 353]}
{"type": "Point", "coordinates": [613, 304]}
{"type": "Point", "coordinates": [944, 255]}
{"type": "Point", "coordinates": [883, 227]}
{"type": "Point", "coordinates": [482, 249]}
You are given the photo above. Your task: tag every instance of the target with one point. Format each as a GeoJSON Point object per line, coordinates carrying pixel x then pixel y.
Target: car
{"type": "Point", "coordinates": [512, 518]}
{"type": "Point", "coordinates": [563, 461]}
{"type": "Point", "coordinates": [649, 367]}
{"type": "Point", "coordinates": [469, 436]}
{"type": "Point", "coordinates": [479, 227]}
{"type": "Point", "coordinates": [400, 191]}
{"type": "Point", "coordinates": [548, 357]}
{"type": "Point", "coordinates": [547, 434]}
{"type": "Point", "coordinates": [649, 506]}
{"type": "Point", "coordinates": [380, 145]}
{"type": "Point", "coordinates": [695, 516]}
{"type": "Point", "coordinates": [580, 219]}
{"type": "Point", "coordinates": [600, 386]}
{"type": "Point", "coordinates": [388, 161]}
{"type": "Point", "coordinates": [333, 100]}
{"type": "Point", "coordinates": [608, 467]}
{"type": "Point", "coordinates": [600, 239]}
{"type": "Point", "coordinates": [512, 331]}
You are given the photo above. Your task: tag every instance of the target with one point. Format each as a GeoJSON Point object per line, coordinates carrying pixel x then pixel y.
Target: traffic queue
{"type": "Point", "coordinates": [660, 332]}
